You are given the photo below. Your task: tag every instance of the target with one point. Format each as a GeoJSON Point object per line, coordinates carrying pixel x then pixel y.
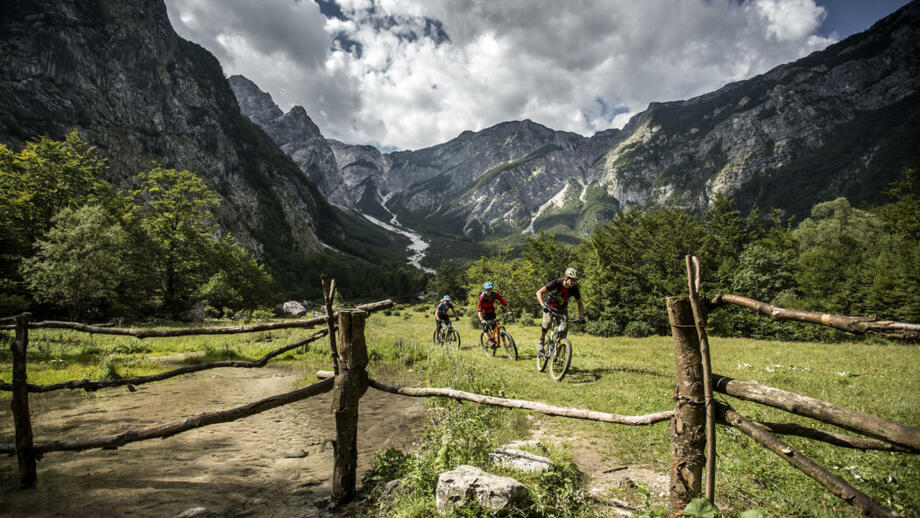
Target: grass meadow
{"type": "Point", "coordinates": [619, 375]}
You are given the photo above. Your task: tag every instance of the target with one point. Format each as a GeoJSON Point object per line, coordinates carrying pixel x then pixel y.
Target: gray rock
{"type": "Point", "coordinates": [467, 483]}
{"type": "Point", "coordinates": [520, 460]}
{"type": "Point", "coordinates": [293, 308]}
{"type": "Point", "coordinates": [194, 512]}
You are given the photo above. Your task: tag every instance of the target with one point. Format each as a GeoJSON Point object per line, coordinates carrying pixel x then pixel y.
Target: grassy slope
{"type": "Point", "coordinates": [621, 375]}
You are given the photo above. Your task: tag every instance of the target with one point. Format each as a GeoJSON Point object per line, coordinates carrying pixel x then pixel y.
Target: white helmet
{"type": "Point", "coordinates": [571, 273]}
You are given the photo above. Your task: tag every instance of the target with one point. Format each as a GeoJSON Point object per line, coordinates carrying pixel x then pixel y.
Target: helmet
{"type": "Point", "coordinates": [571, 273]}
{"type": "Point", "coordinates": [446, 297]}
{"type": "Point", "coordinates": [488, 285]}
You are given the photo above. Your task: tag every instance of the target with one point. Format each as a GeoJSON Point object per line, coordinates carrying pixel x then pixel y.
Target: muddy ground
{"type": "Point", "coordinates": [274, 464]}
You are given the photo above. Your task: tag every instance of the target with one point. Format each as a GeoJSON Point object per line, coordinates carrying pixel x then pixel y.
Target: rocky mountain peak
{"type": "Point", "coordinates": [256, 104]}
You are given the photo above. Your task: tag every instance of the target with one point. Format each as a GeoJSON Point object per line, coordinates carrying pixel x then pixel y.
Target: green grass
{"type": "Point", "coordinates": [620, 375]}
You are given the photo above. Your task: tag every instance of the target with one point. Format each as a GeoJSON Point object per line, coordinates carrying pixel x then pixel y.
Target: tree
{"type": "Point", "coordinates": [45, 177]}
{"type": "Point", "coordinates": [549, 257]}
{"type": "Point", "coordinates": [449, 278]}
{"type": "Point", "coordinates": [35, 184]}
{"type": "Point", "coordinates": [80, 262]}
{"type": "Point", "coordinates": [174, 212]}
{"type": "Point", "coordinates": [835, 245]}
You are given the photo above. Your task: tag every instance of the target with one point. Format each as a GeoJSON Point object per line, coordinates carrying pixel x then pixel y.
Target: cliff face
{"type": "Point", "coordinates": [840, 122]}
{"type": "Point", "coordinates": [118, 73]}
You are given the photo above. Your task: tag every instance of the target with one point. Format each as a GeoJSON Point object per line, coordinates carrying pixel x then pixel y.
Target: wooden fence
{"type": "Point", "coordinates": [696, 412]}
{"type": "Point", "coordinates": [349, 380]}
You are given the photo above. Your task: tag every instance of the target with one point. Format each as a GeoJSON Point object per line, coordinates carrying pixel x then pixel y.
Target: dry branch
{"type": "Point", "coordinates": [328, 297]}
{"type": "Point", "coordinates": [92, 385]}
{"type": "Point", "coordinates": [855, 325]}
{"type": "Point", "coordinates": [225, 330]}
{"type": "Point", "coordinates": [699, 321]}
{"type": "Point", "coordinates": [837, 439]}
{"type": "Point", "coordinates": [832, 482]}
{"type": "Point", "coordinates": [878, 427]}
{"type": "Point", "coordinates": [168, 430]}
{"type": "Point", "coordinates": [576, 413]}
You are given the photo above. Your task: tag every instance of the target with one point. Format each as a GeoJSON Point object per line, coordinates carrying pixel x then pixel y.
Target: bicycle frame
{"type": "Point", "coordinates": [497, 325]}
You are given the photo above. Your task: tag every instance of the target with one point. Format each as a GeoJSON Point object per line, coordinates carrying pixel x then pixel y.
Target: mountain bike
{"type": "Point", "coordinates": [497, 329]}
{"type": "Point", "coordinates": [557, 348]}
{"type": "Point", "coordinates": [447, 335]}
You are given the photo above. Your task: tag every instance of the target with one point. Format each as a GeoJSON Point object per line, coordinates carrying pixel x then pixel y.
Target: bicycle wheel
{"type": "Point", "coordinates": [562, 358]}
{"type": "Point", "coordinates": [453, 339]}
{"type": "Point", "coordinates": [486, 348]}
{"type": "Point", "coordinates": [508, 344]}
{"type": "Point", "coordinates": [541, 360]}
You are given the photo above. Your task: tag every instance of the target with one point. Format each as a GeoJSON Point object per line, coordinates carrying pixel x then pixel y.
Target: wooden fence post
{"type": "Point", "coordinates": [25, 450]}
{"type": "Point", "coordinates": [687, 429]}
{"type": "Point", "coordinates": [350, 384]}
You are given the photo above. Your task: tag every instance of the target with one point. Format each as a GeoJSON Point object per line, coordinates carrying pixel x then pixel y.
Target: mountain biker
{"type": "Point", "coordinates": [440, 312]}
{"type": "Point", "coordinates": [557, 300]}
{"type": "Point", "coordinates": [486, 307]}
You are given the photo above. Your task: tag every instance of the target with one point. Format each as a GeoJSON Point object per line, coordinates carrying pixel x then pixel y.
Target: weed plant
{"type": "Point", "coordinates": [621, 375]}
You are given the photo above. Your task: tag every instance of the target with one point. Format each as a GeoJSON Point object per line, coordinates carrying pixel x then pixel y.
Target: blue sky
{"type": "Point", "coordinates": [407, 74]}
{"type": "Point", "coordinates": [847, 17]}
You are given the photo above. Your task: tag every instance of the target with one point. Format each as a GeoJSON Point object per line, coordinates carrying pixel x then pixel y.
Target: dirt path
{"type": "Point", "coordinates": [274, 464]}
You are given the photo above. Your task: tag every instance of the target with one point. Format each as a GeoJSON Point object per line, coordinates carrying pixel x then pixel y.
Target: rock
{"type": "Point", "coordinates": [392, 488]}
{"type": "Point", "coordinates": [520, 460]}
{"type": "Point", "coordinates": [532, 443]}
{"type": "Point", "coordinates": [467, 483]}
{"type": "Point", "coordinates": [194, 512]}
{"type": "Point", "coordinates": [293, 308]}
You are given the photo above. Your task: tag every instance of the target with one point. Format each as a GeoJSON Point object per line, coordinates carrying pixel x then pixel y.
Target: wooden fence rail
{"type": "Point", "coordinates": [93, 385]}
{"type": "Point", "coordinates": [190, 331]}
{"type": "Point", "coordinates": [854, 325]}
{"type": "Point", "coordinates": [177, 427]}
{"type": "Point", "coordinates": [687, 465]}
{"type": "Point", "coordinates": [543, 408]}
{"type": "Point", "coordinates": [28, 453]}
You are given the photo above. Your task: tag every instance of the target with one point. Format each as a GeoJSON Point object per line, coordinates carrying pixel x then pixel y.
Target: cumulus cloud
{"type": "Point", "coordinates": [415, 73]}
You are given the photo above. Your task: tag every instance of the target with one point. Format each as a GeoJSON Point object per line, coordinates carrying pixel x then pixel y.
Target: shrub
{"type": "Point", "coordinates": [262, 314]}
{"type": "Point", "coordinates": [603, 328]}
{"type": "Point", "coordinates": [637, 329]}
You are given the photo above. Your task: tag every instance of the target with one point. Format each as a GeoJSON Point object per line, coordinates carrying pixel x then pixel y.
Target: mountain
{"type": "Point", "coordinates": [119, 74]}
{"type": "Point", "coordinates": [841, 122]}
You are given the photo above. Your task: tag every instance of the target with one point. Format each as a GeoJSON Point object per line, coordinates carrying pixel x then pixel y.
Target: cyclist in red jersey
{"type": "Point", "coordinates": [486, 305]}
{"type": "Point", "coordinates": [557, 294]}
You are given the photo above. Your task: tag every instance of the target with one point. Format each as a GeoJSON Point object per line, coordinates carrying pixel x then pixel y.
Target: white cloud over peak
{"type": "Point", "coordinates": [415, 73]}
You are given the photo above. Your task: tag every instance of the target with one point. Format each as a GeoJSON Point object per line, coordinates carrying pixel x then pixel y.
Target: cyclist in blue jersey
{"type": "Point", "coordinates": [440, 312]}
{"type": "Point", "coordinates": [557, 293]}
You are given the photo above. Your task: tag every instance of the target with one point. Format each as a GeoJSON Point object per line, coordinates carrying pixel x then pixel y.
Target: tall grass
{"type": "Point", "coordinates": [620, 375]}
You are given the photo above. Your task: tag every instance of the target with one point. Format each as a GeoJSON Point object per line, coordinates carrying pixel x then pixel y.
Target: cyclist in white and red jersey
{"type": "Point", "coordinates": [557, 294]}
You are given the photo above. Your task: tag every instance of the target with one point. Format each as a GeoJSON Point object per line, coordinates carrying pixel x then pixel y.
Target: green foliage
{"type": "Point", "coordinates": [82, 247]}
{"type": "Point", "coordinates": [515, 279]}
{"type": "Point", "coordinates": [699, 507]}
{"type": "Point", "coordinates": [638, 329]}
{"type": "Point", "coordinates": [449, 279]}
{"type": "Point", "coordinates": [80, 264]}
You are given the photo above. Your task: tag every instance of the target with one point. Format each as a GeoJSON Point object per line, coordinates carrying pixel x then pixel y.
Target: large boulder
{"type": "Point", "coordinates": [520, 460]}
{"type": "Point", "coordinates": [467, 483]}
{"type": "Point", "coordinates": [293, 308]}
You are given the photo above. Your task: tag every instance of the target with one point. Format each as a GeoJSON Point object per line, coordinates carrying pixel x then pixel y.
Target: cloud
{"type": "Point", "coordinates": [415, 73]}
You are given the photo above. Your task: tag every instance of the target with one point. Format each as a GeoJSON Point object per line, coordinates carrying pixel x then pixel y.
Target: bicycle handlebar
{"type": "Point", "coordinates": [563, 317]}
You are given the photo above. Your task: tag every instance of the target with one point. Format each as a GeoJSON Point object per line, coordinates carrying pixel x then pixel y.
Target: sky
{"type": "Point", "coordinates": [408, 74]}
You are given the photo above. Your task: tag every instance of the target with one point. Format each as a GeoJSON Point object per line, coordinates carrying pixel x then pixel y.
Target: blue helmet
{"type": "Point", "coordinates": [446, 297]}
{"type": "Point", "coordinates": [488, 285]}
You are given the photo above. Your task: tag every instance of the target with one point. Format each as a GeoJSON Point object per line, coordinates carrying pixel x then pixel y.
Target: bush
{"type": "Point", "coordinates": [637, 329]}
{"type": "Point", "coordinates": [603, 328]}
{"type": "Point", "coordinates": [263, 314]}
